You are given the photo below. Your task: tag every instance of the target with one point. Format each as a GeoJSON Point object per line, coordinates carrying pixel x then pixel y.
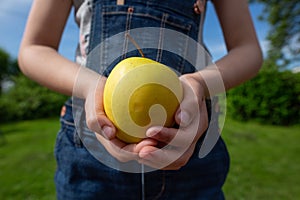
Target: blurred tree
{"type": "Point", "coordinates": [4, 63]}
{"type": "Point", "coordinates": [284, 35]}
{"type": "Point", "coordinates": [8, 67]}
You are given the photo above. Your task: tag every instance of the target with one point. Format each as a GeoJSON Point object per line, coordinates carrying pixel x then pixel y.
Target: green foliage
{"type": "Point", "coordinates": [4, 62]}
{"type": "Point", "coordinates": [284, 37]}
{"type": "Point", "coordinates": [28, 100]}
{"type": "Point", "coordinates": [271, 97]}
{"type": "Point", "coordinates": [8, 66]}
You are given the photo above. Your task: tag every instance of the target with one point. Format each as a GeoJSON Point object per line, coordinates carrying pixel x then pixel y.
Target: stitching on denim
{"type": "Point", "coordinates": [127, 30]}
{"type": "Point", "coordinates": [161, 35]}
{"type": "Point", "coordinates": [104, 47]}
{"type": "Point", "coordinates": [92, 27]}
{"type": "Point", "coordinates": [186, 27]}
{"type": "Point", "coordinates": [181, 64]}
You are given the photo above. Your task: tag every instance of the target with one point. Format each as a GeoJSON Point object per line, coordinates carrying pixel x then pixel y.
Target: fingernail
{"type": "Point", "coordinates": [107, 132]}
{"type": "Point", "coordinates": [184, 118]}
{"type": "Point", "coordinates": [153, 131]}
{"type": "Point", "coordinates": [145, 155]}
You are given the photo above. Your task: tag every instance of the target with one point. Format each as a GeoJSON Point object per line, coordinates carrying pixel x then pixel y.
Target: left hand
{"type": "Point", "coordinates": [193, 120]}
{"type": "Point", "coordinates": [98, 122]}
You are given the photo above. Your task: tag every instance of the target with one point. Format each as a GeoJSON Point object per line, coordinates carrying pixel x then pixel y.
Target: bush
{"type": "Point", "coordinates": [271, 97]}
{"type": "Point", "coordinates": [28, 100]}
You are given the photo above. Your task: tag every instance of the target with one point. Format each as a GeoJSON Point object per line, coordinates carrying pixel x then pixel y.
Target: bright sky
{"type": "Point", "coordinates": [13, 15]}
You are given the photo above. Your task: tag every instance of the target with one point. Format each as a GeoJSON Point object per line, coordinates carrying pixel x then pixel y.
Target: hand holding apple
{"type": "Point", "coordinates": [98, 122]}
{"type": "Point", "coordinates": [193, 119]}
{"type": "Point", "coordinates": [140, 93]}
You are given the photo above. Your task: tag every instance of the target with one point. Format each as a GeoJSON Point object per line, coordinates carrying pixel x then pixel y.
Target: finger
{"type": "Point", "coordinates": [181, 161]}
{"type": "Point", "coordinates": [167, 159]}
{"type": "Point", "coordinates": [100, 124]}
{"type": "Point", "coordinates": [182, 137]}
{"type": "Point", "coordinates": [96, 118]}
{"type": "Point", "coordinates": [125, 152]}
{"type": "Point", "coordinates": [173, 166]}
{"type": "Point", "coordinates": [155, 157]}
{"type": "Point", "coordinates": [118, 149]}
{"type": "Point", "coordinates": [144, 143]}
{"type": "Point", "coordinates": [182, 116]}
{"type": "Point", "coordinates": [161, 134]}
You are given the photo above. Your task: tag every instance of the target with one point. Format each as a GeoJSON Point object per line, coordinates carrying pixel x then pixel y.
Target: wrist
{"type": "Point", "coordinates": [211, 80]}
{"type": "Point", "coordinates": [197, 83]}
{"type": "Point", "coordinates": [87, 82]}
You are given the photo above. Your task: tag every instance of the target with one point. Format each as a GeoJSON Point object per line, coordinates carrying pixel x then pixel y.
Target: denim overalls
{"type": "Point", "coordinates": [79, 174]}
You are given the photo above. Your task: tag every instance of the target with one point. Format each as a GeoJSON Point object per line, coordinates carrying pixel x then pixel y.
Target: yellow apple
{"type": "Point", "coordinates": [140, 93]}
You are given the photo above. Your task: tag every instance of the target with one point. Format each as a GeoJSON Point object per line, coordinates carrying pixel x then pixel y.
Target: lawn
{"type": "Point", "coordinates": [27, 162]}
{"type": "Point", "coordinates": [265, 161]}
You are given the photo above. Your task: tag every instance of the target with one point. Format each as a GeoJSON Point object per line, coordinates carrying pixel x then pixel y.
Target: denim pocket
{"type": "Point", "coordinates": [110, 20]}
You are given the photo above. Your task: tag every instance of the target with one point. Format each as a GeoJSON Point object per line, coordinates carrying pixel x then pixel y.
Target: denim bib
{"type": "Point", "coordinates": [166, 31]}
{"type": "Point", "coordinates": [156, 25]}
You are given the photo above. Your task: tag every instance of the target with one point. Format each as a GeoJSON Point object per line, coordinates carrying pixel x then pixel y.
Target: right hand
{"type": "Point", "coordinates": [193, 120]}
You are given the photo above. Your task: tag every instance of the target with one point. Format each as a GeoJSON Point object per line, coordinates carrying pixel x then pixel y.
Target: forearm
{"type": "Point", "coordinates": [39, 58]}
{"type": "Point", "coordinates": [239, 65]}
{"type": "Point", "coordinates": [44, 65]}
{"type": "Point", "coordinates": [244, 57]}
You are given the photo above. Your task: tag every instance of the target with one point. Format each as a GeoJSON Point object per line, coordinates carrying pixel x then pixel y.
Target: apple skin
{"type": "Point", "coordinates": [140, 93]}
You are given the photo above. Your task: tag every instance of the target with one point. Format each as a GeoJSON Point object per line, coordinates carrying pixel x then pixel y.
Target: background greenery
{"type": "Point", "coordinates": [28, 100]}
{"type": "Point", "coordinates": [272, 97]}
{"type": "Point", "coordinates": [261, 129]}
{"type": "Point", "coordinates": [264, 160]}
{"type": "Point", "coordinates": [283, 16]}
{"type": "Point", "coordinates": [26, 160]}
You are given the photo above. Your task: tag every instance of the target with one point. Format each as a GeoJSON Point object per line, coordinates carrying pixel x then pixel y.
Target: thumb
{"type": "Point", "coordinates": [96, 119]}
{"type": "Point", "coordinates": [183, 118]}
{"type": "Point", "coordinates": [108, 130]}
{"type": "Point", "coordinates": [102, 125]}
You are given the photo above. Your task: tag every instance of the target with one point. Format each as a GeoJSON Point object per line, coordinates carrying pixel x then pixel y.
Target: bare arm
{"type": "Point", "coordinates": [242, 62]}
{"type": "Point", "coordinates": [39, 60]}
{"type": "Point", "coordinates": [244, 57]}
{"type": "Point", "coordinates": [38, 56]}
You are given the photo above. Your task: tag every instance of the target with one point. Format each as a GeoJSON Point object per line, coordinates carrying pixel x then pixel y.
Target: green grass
{"type": "Point", "coordinates": [27, 162]}
{"type": "Point", "coordinates": [265, 161]}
